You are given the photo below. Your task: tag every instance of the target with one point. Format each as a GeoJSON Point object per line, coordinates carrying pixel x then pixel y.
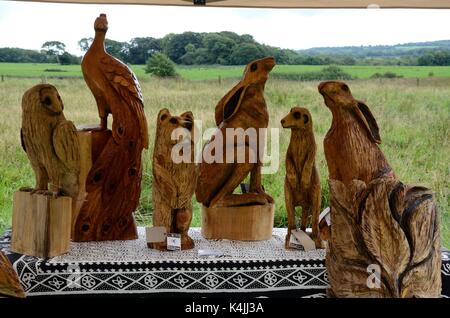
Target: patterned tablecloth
{"type": "Point", "coordinates": [128, 267]}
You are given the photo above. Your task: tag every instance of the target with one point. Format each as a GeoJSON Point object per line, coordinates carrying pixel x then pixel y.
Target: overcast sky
{"type": "Point", "coordinates": [28, 25]}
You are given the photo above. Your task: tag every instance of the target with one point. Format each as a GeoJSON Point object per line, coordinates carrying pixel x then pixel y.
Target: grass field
{"type": "Point", "coordinates": [213, 72]}
{"type": "Point", "coordinates": [414, 123]}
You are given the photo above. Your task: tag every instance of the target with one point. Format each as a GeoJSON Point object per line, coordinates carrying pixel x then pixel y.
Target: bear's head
{"type": "Point", "coordinates": [171, 130]}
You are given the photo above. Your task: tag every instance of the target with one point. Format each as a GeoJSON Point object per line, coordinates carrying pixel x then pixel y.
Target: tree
{"type": "Point", "coordinates": [54, 49]}
{"type": "Point", "coordinates": [67, 59]}
{"type": "Point", "coordinates": [219, 47]}
{"type": "Point", "coordinates": [117, 49]}
{"type": "Point", "coordinates": [160, 65]}
{"type": "Point", "coordinates": [244, 53]}
{"type": "Point", "coordinates": [85, 43]}
{"type": "Point", "coordinates": [140, 49]}
{"type": "Point", "coordinates": [174, 44]}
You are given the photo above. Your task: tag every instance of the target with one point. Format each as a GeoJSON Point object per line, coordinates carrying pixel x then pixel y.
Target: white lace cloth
{"type": "Point", "coordinates": [137, 250]}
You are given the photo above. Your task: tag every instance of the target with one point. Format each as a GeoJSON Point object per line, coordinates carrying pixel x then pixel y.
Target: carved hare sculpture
{"type": "Point", "coordinates": [378, 223]}
{"type": "Point", "coordinates": [351, 144]}
{"type": "Point", "coordinates": [242, 108]}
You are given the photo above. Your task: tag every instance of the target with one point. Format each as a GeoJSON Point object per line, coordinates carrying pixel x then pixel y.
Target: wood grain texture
{"type": "Point", "coordinates": [388, 224]}
{"type": "Point", "coordinates": [351, 144]}
{"type": "Point", "coordinates": [243, 223]}
{"type": "Point", "coordinates": [50, 142]}
{"type": "Point", "coordinates": [174, 182]}
{"type": "Point", "coordinates": [9, 281]}
{"type": "Point", "coordinates": [41, 224]}
{"type": "Point", "coordinates": [114, 182]}
{"type": "Point", "coordinates": [243, 107]}
{"type": "Point", "coordinates": [302, 182]}
{"type": "Point", "coordinates": [378, 223]}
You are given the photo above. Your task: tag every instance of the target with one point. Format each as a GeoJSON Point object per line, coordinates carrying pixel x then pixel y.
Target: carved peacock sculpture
{"type": "Point", "coordinates": [114, 181]}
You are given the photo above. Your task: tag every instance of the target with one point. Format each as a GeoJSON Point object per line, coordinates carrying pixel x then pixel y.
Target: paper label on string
{"type": "Point", "coordinates": [327, 215]}
{"type": "Point", "coordinates": [300, 240]}
{"type": "Point", "coordinates": [155, 234]}
{"type": "Point", "coordinates": [173, 242]}
{"type": "Point", "coordinates": [209, 253]}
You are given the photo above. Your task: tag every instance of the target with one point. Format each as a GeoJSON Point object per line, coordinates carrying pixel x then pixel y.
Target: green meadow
{"type": "Point", "coordinates": [213, 72]}
{"type": "Point", "coordinates": [414, 122]}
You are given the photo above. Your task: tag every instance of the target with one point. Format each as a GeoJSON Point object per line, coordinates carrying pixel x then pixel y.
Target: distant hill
{"type": "Point", "coordinates": [381, 51]}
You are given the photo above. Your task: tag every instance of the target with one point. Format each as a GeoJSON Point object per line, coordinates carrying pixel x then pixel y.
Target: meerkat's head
{"type": "Point", "coordinates": [297, 118]}
{"type": "Point", "coordinates": [174, 129]}
{"type": "Point", "coordinates": [101, 23]}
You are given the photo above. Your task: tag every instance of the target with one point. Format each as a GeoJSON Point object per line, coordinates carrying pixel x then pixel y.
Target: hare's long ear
{"type": "Point", "coordinates": [370, 122]}
{"type": "Point", "coordinates": [232, 104]}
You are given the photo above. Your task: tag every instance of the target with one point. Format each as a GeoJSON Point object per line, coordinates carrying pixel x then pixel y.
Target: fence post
{"type": "Point", "coordinates": [3, 78]}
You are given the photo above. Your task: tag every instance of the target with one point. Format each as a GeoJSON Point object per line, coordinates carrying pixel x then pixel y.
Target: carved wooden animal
{"type": "Point", "coordinates": [302, 182]}
{"type": "Point", "coordinates": [51, 142]}
{"type": "Point", "coordinates": [351, 144]}
{"type": "Point", "coordinates": [380, 227]}
{"type": "Point", "coordinates": [9, 281]}
{"type": "Point", "coordinates": [114, 181]}
{"type": "Point", "coordinates": [173, 182]}
{"type": "Point", "coordinates": [383, 229]}
{"type": "Point", "coordinates": [243, 107]}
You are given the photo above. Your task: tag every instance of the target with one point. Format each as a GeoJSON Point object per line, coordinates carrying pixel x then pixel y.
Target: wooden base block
{"type": "Point", "coordinates": [243, 223]}
{"type": "Point", "coordinates": [41, 224]}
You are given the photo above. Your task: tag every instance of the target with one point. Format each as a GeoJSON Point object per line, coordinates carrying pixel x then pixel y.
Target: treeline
{"type": "Point", "coordinates": [189, 48]}
{"type": "Point", "coordinates": [51, 52]}
{"type": "Point", "coordinates": [229, 48]}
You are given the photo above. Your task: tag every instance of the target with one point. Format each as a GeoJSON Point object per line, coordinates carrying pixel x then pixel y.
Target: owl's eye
{"type": "Point", "coordinates": [47, 101]}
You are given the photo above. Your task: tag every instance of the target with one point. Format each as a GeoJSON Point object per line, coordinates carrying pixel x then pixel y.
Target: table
{"type": "Point", "coordinates": [129, 268]}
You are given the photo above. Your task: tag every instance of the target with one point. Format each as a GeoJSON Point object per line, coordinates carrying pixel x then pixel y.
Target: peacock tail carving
{"type": "Point", "coordinates": [114, 182]}
{"type": "Point", "coordinates": [391, 225]}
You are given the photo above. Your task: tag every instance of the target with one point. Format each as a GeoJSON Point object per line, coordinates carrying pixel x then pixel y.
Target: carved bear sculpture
{"type": "Point", "coordinates": [174, 181]}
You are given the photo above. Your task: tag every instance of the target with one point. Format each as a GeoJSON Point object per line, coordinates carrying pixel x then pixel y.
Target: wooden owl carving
{"type": "Point", "coordinates": [50, 142]}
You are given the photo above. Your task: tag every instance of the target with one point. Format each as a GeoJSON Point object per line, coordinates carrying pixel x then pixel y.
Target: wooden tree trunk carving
{"type": "Point", "coordinates": [388, 226]}
{"type": "Point", "coordinates": [114, 182]}
{"type": "Point", "coordinates": [9, 281]}
{"type": "Point", "coordinates": [385, 236]}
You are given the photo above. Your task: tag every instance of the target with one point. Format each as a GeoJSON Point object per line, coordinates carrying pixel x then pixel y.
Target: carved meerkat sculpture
{"type": "Point", "coordinates": [51, 142]}
{"type": "Point", "coordinates": [173, 183]}
{"type": "Point", "coordinates": [302, 182]}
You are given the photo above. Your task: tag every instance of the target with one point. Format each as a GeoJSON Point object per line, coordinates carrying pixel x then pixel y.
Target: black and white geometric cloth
{"type": "Point", "coordinates": [128, 267]}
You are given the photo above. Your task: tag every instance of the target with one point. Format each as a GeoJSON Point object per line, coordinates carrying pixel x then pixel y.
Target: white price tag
{"type": "Point", "coordinates": [209, 253]}
{"type": "Point", "coordinates": [300, 240]}
{"type": "Point", "coordinates": [155, 234]}
{"type": "Point", "coordinates": [173, 242]}
{"type": "Point", "coordinates": [327, 215]}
